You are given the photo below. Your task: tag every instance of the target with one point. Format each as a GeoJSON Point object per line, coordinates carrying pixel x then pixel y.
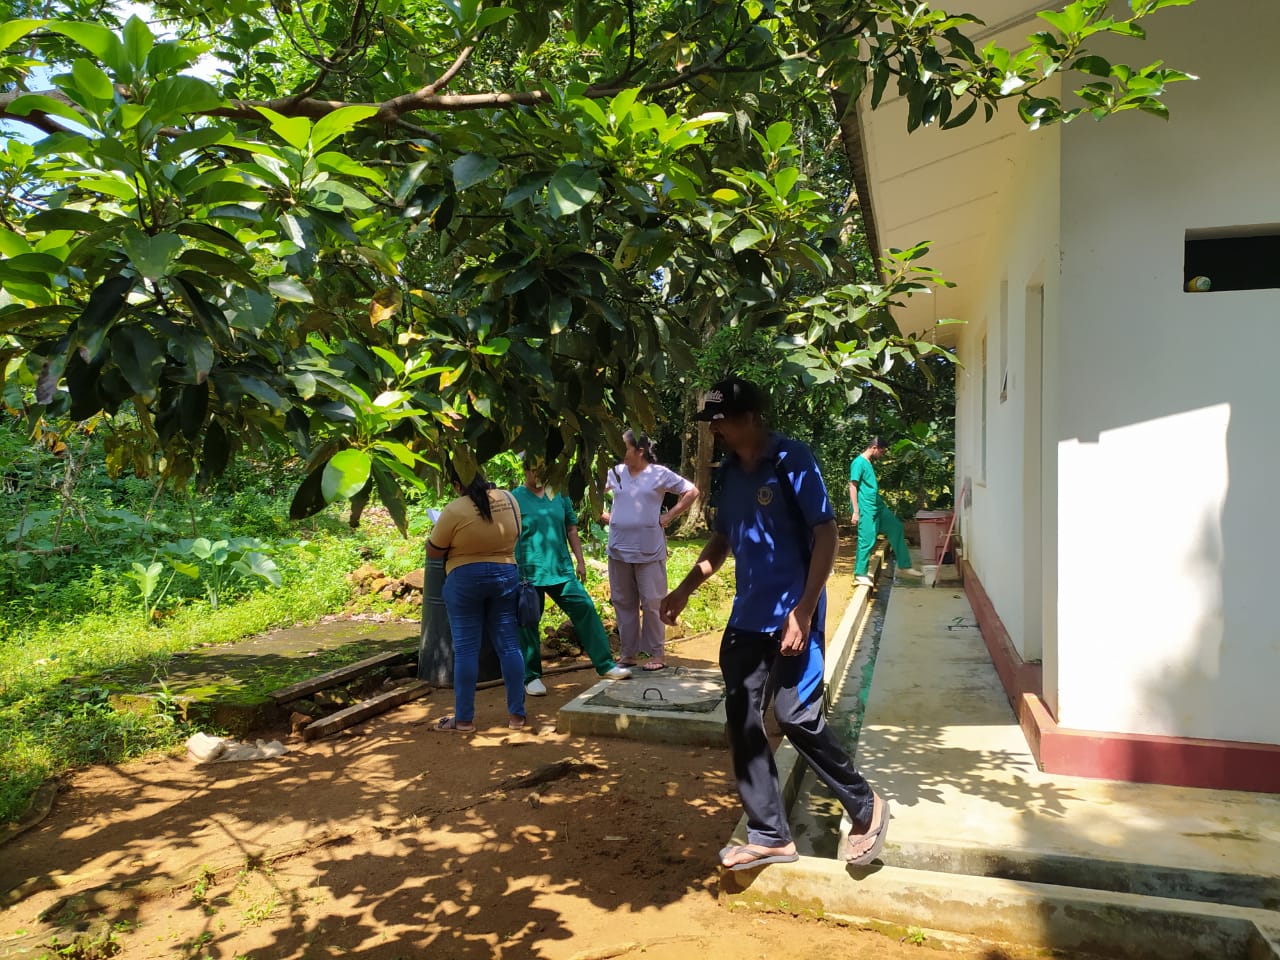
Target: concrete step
{"type": "Point", "coordinates": [1074, 920]}
{"type": "Point", "coordinates": [1093, 873]}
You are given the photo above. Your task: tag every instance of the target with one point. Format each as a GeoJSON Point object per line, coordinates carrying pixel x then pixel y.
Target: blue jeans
{"type": "Point", "coordinates": [481, 601]}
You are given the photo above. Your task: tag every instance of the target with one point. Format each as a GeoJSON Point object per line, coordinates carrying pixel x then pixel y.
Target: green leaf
{"type": "Point", "coordinates": [40, 266]}
{"type": "Point", "coordinates": [151, 256]}
{"type": "Point", "coordinates": [97, 39]}
{"type": "Point", "coordinates": [105, 304]}
{"type": "Point", "coordinates": [210, 234]}
{"type": "Point", "coordinates": [191, 570]}
{"type": "Point", "coordinates": [490, 16]}
{"type": "Point", "coordinates": [140, 359]}
{"type": "Point", "coordinates": [620, 106]}
{"type": "Point", "coordinates": [261, 390]}
{"type": "Point", "coordinates": [399, 452]}
{"type": "Point", "coordinates": [571, 188]}
{"type": "Point", "coordinates": [777, 135]}
{"type": "Point", "coordinates": [216, 265]}
{"type": "Point", "coordinates": [345, 474]}
{"type": "Point", "coordinates": [196, 352]}
{"type": "Point", "coordinates": [210, 317]}
{"type": "Point", "coordinates": [746, 239]}
{"type": "Point", "coordinates": [11, 31]}
{"type": "Point", "coordinates": [291, 289]}
{"type": "Point", "coordinates": [11, 244]}
{"type": "Point", "coordinates": [392, 499]}
{"type": "Point", "coordinates": [193, 406]}
{"type": "Point", "coordinates": [495, 347]}
{"type": "Point", "coordinates": [259, 565]}
{"type": "Point", "coordinates": [527, 186]}
{"type": "Point", "coordinates": [132, 114]}
{"type": "Point", "coordinates": [138, 41]}
{"type": "Point", "coordinates": [1097, 66]}
{"type": "Point", "coordinates": [472, 168]}
{"type": "Point", "coordinates": [181, 96]}
{"type": "Point", "coordinates": [343, 120]}
{"type": "Point", "coordinates": [112, 187]}
{"type": "Point", "coordinates": [216, 453]}
{"type": "Point", "coordinates": [295, 131]}
{"type": "Point", "coordinates": [332, 162]}
{"type": "Point", "coordinates": [30, 103]}
{"type": "Point", "coordinates": [592, 110]}
{"type": "Point", "coordinates": [962, 117]}
{"type": "Point", "coordinates": [336, 195]}
{"type": "Point", "coordinates": [90, 79]}
{"type": "Point", "coordinates": [559, 312]}
{"type": "Point", "coordinates": [194, 140]}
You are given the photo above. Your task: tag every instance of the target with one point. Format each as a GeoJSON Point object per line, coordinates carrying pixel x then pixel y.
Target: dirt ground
{"type": "Point", "coordinates": [394, 840]}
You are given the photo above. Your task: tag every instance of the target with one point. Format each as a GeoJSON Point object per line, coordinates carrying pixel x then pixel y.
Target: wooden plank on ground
{"type": "Point", "coordinates": [341, 675]}
{"type": "Point", "coordinates": [365, 709]}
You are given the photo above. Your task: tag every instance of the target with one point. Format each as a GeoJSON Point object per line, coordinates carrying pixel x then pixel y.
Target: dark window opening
{"type": "Point", "coordinates": [1231, 258]}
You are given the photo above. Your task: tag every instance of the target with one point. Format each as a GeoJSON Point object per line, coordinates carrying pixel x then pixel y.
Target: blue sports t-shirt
{"type": "Point", "coordinates": [771, 534]}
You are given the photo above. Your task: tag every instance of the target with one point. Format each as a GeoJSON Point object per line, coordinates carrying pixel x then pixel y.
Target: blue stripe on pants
{"type": "Point", "coordinates": [754, 672]}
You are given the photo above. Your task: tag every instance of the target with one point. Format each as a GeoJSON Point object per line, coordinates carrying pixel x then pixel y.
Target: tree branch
{"type": "Point", "coordinates": [432, 89]}
{"type": "Point", "coordinates": [424, 99]}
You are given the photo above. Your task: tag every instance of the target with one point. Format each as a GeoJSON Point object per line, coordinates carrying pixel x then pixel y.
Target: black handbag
{"type": "Point", "coordinates": [528, 599]}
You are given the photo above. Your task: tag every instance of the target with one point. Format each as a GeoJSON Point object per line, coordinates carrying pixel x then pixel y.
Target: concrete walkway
{"type": "Point", "coordinates": [982, 843]}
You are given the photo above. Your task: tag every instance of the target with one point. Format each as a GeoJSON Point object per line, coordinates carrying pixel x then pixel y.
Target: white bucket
{"type": "Point", "coordinates": [930, 571]}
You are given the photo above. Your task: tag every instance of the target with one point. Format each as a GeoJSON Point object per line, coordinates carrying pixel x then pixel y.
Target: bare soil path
{"type": "Point", "coordinates": [394, 840]}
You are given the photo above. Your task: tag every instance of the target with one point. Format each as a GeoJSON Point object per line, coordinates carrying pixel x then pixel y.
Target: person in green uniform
{"type": "Point", "coordinates": [549, 531]}
{"type": "Point", "coordinates": [873, 516]}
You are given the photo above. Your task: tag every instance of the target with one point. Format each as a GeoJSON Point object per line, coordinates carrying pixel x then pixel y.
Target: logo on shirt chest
{"type": "Point", "coordinates": [764, 495]}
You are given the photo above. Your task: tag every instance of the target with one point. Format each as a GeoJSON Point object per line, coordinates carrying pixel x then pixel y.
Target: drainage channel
{"type": "Point", "coordinates": [815, 815]}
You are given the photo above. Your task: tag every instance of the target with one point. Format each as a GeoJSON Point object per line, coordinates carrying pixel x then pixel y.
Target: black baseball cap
{"type": "Point", "coordinates": [730, 396]}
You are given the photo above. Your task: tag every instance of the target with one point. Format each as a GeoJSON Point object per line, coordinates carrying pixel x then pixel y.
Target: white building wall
{"type": "Point", "coordinates": [1002, 528]}
{"type": "Point", "coordinates": [1167, 445]}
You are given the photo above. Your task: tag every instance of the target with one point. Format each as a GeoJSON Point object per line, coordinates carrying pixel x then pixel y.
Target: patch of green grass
{"type": "Point", "coordinates": [56, 714]}
{"type": "Point", "coordinates": [708, 608]}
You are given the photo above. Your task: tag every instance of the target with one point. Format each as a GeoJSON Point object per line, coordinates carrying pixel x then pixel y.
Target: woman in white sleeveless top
{"type": "Point", "coordinates": [638, 547]}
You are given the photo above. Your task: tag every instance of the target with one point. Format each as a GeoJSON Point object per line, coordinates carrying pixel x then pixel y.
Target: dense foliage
{"type": "Point", "coordinates": [394, 232]}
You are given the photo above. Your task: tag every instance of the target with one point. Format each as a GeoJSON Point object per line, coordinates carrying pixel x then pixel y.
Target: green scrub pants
{"type": "Point", "coordinates": [882, 521]}
{"type": "Point", "coordinates": [571, 597]}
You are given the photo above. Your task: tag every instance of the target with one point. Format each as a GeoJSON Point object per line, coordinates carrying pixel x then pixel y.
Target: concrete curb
{"type": "Point", "coordinates": [1105, 923]}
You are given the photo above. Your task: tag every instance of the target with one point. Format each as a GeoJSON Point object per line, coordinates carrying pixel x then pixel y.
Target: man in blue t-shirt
{"type": "Point", "coordinates": [774, 515]}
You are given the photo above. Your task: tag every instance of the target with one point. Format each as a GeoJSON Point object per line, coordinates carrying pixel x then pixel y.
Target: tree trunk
{"type": "Point", "coordinates": [697, 447]}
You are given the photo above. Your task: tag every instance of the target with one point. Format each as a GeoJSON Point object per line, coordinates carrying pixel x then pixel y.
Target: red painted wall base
{"type": "Point", "coordinates": [1136, 757]}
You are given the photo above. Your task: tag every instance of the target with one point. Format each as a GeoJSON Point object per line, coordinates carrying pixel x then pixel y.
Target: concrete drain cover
{"type": "Point", "coordinates": [677, 705]}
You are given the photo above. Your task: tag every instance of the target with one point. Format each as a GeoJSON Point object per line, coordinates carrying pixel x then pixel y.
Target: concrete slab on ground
{"type": "Point", "coordinates": [675, 705]}
{"type": "Point", "coordinates": [227, 684]}
{"type": "Point", "coordinates": [940, 741]}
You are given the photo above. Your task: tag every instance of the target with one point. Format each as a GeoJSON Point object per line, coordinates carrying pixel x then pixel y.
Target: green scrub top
{"type": "Point", "coordinates": [864, 475]}
{"type": "Point", "coordinates": [543, 551]}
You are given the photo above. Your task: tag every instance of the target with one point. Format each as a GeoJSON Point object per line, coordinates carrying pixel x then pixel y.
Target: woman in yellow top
{"type": "Point", "coordinates": [476, 534]}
